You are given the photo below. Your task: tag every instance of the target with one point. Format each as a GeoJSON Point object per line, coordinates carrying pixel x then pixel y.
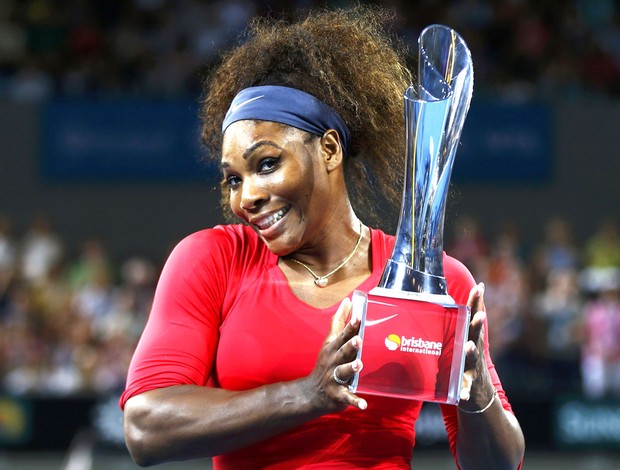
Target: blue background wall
{"type": "Point", "coordinates": [522, 164]}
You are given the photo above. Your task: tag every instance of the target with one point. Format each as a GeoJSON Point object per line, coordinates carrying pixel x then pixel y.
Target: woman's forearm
{"type": "Point", "coordinates": [492, 439]}
{"type": "Point", "coordinates": [188, 421]}
{"type": "Point", "coordinates": [488, 436]}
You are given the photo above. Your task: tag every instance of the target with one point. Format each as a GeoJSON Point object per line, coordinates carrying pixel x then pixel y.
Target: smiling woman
{"type": "Point", "coordinates": [276, 177]}
{"type": "Point", "coordinates": [342, 61]}
{"type": "Point", "coordinates": [250, 344]}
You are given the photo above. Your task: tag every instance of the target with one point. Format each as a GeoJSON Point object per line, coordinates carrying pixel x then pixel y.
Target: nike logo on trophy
{"type": "Point", "coordinates": [380, 320]}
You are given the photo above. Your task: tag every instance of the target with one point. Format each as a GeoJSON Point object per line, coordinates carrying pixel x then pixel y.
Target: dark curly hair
{"type": "Point", "coordinates": [347, 59]}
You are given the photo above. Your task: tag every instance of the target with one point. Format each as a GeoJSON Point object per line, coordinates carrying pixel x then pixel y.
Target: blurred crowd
{"type": "Point", "coordinates": [522, 49]}
{"type": "Point", "coordinates": [553, 306]}
{"type": "Point", "coordinates": [69, 321]}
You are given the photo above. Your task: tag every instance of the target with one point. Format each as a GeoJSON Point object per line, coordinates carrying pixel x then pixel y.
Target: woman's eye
{"type": "Point", "coordinates": [232, 181]}
{"type": "Point", "coordinates": [267, 165]}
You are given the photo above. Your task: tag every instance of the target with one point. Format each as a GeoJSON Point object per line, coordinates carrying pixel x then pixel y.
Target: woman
{"type": "Point", "coordinates": [249, 345]}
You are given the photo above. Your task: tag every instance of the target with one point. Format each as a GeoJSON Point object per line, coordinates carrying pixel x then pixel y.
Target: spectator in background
{"type": "Point", "coordinates": [600, 355]}
{"type": "Point", "coordinates": [469, 245]}
{"type": "Point", "coordinates": [557, 252]}
{"type": "Point", "coordinates": [8, 261]}
{"type": "Point", "coordinates": [559, 309]}
{"type": "Point", "coordinates": [507, 290]}
{"type": "Point", "coordinates": [70, 362]}
{"type": "Point", "coordinates": [41, 250]}
{"type": "Point", "coordinates": [24, 354]}
{"type": "Point", "coordinates": [31, 83]}
{"type": "Point", "coordinates": [139, 277]}
{"type": "Point", "coordinates": [119, 329]}
{"type": "Point", "coordinates": [92, 262]}
{"type": "Point", "coordinates": [13, 40]}
{"type": "Point", "coordinates": [8, 246]}
{"type": "Point", "coordinates": [600, 281]}
{"type": "Point", "coordinates": [602, 250]}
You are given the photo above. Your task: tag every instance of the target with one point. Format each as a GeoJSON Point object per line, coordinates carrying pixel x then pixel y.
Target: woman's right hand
{"type": "Point", "coordinates": [337, 359]}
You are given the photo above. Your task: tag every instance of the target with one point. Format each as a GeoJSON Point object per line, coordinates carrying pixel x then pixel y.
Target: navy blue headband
{"type": "Point", "coordinates": [286, 106]}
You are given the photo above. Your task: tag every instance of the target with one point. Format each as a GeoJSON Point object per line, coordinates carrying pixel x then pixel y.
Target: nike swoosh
{"type": "Point", "coordinates": [243, 103]}
{"type": "Point", "coordinates": [380, 320]}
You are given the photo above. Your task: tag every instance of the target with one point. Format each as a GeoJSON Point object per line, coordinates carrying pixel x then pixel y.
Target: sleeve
{"type": "Point", "coordinates": [179, 341]}
{"type": "Point", "coordinates": [460, 282]}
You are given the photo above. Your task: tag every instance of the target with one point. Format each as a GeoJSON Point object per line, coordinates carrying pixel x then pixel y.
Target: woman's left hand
{"type": "Point", "coordinates": [477, 389]}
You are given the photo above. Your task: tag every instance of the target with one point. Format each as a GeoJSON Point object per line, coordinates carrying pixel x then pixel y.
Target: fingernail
{"type": "Point", "coordinates": [363, 405]}
{"type": "Point", "coordinates": [356, 365]}
{"type": "Point", "coordinates": [481, 287]}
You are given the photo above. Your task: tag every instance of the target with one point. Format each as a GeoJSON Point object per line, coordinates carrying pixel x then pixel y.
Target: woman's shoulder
{"type": "Point", "coordinates": [379, 237]}
{"type": "Point", "coordinates": [232, 234]}
{"type": "Point", "coordinates": [458, 277]}
{"type": "Point", "coordinates": [225, 242]}
{"type": "Point", "coordinates": [456, 267]}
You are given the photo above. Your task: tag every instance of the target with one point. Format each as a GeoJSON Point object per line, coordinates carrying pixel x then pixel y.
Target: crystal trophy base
{"type": "Point", "coordinates": [412, 345]}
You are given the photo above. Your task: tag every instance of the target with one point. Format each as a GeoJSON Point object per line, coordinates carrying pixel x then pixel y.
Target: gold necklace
{"type": "Point", "coordinates": [321, 281]}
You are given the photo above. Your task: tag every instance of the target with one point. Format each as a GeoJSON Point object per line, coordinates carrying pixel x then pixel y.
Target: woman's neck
{"type": "Point", "coordinates": [337, 284]}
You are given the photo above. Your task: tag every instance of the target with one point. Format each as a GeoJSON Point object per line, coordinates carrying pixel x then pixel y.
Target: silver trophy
{"type": "Point", "coordinates": [413, 330]}
{"type": "Point", "coordinates": [435, 111]}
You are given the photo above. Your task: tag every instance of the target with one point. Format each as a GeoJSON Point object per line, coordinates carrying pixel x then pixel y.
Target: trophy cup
{"type": "Point", "coordinates": [413, 331]}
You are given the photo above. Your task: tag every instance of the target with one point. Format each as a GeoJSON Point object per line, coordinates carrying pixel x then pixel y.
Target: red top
{"type": "Point", "coordinates": [224, 315]}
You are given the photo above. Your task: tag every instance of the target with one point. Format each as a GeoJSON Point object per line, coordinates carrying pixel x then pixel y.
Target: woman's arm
{"type": "Point", "coordinates": [190, 421]}
{"type": "Point", "coordinates": [488, 436]}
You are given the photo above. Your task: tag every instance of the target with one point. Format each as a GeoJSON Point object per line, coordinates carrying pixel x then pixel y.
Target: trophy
{"type": "Point", "coordinates": [413, 331]}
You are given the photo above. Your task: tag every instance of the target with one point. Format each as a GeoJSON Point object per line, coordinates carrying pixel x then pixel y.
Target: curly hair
{"type": "Point", "coordinates": [347, 59]}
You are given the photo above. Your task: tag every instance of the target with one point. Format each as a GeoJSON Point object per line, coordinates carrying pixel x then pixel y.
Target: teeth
{"type": "Point", "coordinates": [272, 219]}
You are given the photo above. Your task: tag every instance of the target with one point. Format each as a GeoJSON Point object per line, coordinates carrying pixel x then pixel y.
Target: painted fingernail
{"type": "Point", "coordinates": [362, 405]}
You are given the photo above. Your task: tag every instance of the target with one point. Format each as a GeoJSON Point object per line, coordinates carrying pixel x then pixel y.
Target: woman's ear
{"type": "Point", "coordinates": [332, 150]}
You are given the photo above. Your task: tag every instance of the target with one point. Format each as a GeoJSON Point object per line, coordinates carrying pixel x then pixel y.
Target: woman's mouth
{"type": "Point", "coordinates": [269, 221]}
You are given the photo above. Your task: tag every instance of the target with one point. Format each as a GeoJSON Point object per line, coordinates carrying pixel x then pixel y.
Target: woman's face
{"type": "Point", "coordinates": [277, 182]}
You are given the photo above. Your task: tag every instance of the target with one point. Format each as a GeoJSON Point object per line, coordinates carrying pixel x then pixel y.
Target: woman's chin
{"type": "Point", "coordinates": [278, 249]}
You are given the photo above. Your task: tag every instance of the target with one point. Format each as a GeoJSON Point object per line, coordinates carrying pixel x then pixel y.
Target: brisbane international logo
{"type": "Point", "coordinates": [413, 345]}
{"type": "Point", "coordinates": [392, 342]}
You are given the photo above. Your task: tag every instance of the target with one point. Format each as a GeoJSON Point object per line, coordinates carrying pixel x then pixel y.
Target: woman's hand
{"type": "Point", "coordinates": [337, 362]}
{"type": "Point", "coordinates": [477, 389]}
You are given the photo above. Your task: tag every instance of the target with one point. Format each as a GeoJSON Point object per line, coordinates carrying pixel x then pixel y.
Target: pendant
{"type": "Point", "coordinates": [321, 281]}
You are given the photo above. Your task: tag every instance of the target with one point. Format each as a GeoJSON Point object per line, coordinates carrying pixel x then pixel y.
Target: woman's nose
{"type": "Point", "coordinates": [252, 194]}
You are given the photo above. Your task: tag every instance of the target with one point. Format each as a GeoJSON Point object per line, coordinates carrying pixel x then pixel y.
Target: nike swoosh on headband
{"type": "Point", "coordinates": [243, 103]}
{"type": "Point", "coordinates": [287, 106]}
{"type": "Point", "coordinates": [380, 320]}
